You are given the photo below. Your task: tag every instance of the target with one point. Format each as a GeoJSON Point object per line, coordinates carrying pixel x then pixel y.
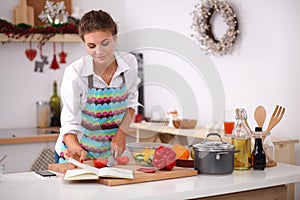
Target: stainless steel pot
{"type": "Point", "coordinates": [214, 157]}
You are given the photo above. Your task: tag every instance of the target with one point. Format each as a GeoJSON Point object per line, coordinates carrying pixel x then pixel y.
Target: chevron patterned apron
{"type": "Point", "coordinates": [101, 117]}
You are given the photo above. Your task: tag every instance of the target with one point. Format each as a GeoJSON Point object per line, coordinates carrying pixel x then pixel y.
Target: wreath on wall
{"type": "Point", "coordinates": [204, 34]}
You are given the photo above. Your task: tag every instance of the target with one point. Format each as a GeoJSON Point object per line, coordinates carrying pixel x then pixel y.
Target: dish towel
{"type": "Point", "coordinates": [45, 158]}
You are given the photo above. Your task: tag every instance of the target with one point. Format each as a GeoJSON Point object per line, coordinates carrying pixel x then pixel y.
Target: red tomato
{"type": "Point", "coordinates": [164, 158]}
{"type": "Point", "coordinates": [122, 160]}
{"type": "Point", "coordinates": [99, 162]}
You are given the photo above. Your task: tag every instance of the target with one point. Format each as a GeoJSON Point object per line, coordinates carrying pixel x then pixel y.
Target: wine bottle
{"type": "Point", "coordinates": [55, 107]}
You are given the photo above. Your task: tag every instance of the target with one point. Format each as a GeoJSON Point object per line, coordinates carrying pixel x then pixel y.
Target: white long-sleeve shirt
{"type": "Point", "coordinates": [74, 88]}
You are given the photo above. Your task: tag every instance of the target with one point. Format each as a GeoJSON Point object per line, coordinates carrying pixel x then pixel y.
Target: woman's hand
{"type": "Point", "coordinates": [76, 153]}
{"type": "Point", "coordinates": [118, 144]}
{"type": "Point", "coordinates": [74, 150]}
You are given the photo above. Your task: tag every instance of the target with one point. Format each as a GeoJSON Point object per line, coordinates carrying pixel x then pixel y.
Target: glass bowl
{"type": "Point", "coordinates": [143, 152]}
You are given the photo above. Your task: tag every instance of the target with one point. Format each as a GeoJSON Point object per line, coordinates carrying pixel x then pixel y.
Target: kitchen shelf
{"type": "Point", "coordinates": [38, 37]}
{"type": "Point", "coordinates": [28, 135]}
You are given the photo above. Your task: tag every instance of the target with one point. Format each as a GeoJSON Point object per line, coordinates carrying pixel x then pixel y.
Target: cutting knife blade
{"type": "Point", "coordinates": [111, 161]}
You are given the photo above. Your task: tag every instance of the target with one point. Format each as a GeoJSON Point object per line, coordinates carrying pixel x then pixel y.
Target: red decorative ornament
{"type": "Point", "coordinates": [54, 64]}
{"type": "Point", "coordinates": [62, 55]}
{"type": "Point", "coordinates": [30, 53]}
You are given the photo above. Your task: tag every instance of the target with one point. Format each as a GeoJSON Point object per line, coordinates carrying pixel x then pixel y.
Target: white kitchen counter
{"type": "Point", "coordinates": [29, 186]}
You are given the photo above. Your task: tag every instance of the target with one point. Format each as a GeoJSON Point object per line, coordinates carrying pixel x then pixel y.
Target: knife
{"type": "Point", "coordinates": [111, 161]}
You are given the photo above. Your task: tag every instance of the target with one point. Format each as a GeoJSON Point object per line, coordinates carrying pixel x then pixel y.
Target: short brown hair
{"type": "Point", "coordinates": [97, 21]}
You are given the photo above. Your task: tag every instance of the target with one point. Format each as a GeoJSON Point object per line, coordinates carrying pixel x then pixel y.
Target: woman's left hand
{"type": "Point", "coordinates": [118, 144]}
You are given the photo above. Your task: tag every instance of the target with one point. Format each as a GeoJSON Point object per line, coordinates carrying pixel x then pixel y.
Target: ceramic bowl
{"type": "Point", "coordinates": [185, 123]}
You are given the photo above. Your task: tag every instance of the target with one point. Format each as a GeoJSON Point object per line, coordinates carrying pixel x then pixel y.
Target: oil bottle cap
{"type": "Point", "coordinates": [258, 129]}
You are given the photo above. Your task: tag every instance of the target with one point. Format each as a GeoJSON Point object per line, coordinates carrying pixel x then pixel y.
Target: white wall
{"type": "Point", "coordinates": [262, 69]}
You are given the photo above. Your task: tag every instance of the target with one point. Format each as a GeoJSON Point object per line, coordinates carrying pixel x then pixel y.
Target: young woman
{"type": "Point", "coordinates": [99, 94]}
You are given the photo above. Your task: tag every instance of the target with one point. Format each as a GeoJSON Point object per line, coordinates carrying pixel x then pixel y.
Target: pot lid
{"type": "Point", "coordinates": [213, 146]}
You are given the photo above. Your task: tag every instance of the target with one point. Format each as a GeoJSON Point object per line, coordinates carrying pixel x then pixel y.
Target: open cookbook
{"type": "Point", "coordinates": [88, 172]}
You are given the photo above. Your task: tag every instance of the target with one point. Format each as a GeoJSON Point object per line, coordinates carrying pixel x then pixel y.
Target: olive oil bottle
{"type": "Point", "coordinates": [241, 140]}
{"type": "Point", "coordinates": [55, 107]}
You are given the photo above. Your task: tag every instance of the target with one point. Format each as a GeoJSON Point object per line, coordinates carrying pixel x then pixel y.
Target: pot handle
{"type": "Point", "coordinates": [221, 153]}
{"type": "Point", "coordinates": [214, 134]}
{"type": "Point", "coordinates": [218, 154]}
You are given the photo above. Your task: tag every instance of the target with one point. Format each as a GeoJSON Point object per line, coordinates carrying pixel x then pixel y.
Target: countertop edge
{"type": "Point", "coordinates": [29, 139]}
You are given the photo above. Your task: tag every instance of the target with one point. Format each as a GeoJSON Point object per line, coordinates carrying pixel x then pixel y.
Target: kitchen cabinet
{"type": "Point", "coordinates": [25, 145]}
{"type": "Point", "coordinates": [37, 38]}
{"type": "Point", "coordinates": [285, 153]}
{"type": "Point", "coordinates": [284, 147]}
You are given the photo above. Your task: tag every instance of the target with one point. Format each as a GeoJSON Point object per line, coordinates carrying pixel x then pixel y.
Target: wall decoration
{"type": "Point", "coordinates": [39, 65]}
{"type": "Point", "coordinates": [62, 55]}
{"type": "Point", "coordinates": [54, 64]}
{"type": "Point", "coordinates": [19, 31]}
{"type": "Point", "coordinates": [54, 13]}
{"type": "Point", "coordinates": [30, 53]}
{"type": "Point", "coordinates": [39, 6]}
{"type": "Point", "coordinates": [201, 25]}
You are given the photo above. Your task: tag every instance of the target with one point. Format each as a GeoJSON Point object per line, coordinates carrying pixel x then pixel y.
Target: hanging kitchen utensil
{"type": "Point", "coordinates": [54, 64]}
{"type": "Point", "coordinates": [39, 65]}
{"type": "Point", "coordinates": [260, 116]}
{"type": "Point", "coordinates": [275, 118]}
{"type": "Point", "coordinates": [30, 53]}
{"type": "Point", "coordinates": [62, 55]}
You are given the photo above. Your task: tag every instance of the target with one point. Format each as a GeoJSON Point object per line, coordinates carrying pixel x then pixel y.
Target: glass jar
{"type": "Point", "coordinates": [43, 114]}
{"type": "Point", "coordinates": [241, 140]}
{"type": "Point", "coordinates": [269, 147]}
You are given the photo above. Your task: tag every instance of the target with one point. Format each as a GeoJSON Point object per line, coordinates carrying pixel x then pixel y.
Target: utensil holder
{"type": "Point", "coordinates": [269, 146]}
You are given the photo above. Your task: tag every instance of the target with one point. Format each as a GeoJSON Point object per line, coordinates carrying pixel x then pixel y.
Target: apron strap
{"type": "Point", "coordinates": [123, 77]}
{"type": "Point", "coordinates": [90, 81]}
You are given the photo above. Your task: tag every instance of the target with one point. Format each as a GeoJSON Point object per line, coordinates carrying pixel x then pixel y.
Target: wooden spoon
{"type": "Point", "coordinates": [260, 115]}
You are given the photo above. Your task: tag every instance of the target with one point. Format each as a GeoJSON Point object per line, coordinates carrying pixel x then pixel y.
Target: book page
{"type": "Point", "coordinates": [111, 172]}
{"type": "Point", "coordinates": [84, 166]}
{"type": "Point", "coordinates": [79, 174]}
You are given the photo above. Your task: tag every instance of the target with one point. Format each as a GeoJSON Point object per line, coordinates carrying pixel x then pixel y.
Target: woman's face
{"type": "Point", "coordinates": [100, 45]}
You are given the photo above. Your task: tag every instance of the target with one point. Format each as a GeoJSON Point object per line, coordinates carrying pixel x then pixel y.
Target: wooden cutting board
{"type": "Point", "coordinates": [23, 13]}
{"type": "Point", "coordinates": [139, 177]}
